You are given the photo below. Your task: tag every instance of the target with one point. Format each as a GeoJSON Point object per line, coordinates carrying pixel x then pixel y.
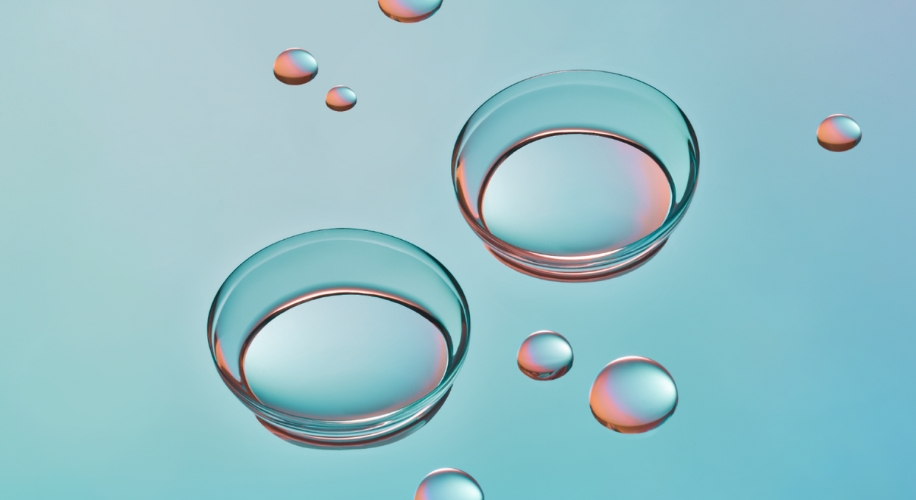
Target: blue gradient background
{"type": "Point", "coordinates": [146, 150]}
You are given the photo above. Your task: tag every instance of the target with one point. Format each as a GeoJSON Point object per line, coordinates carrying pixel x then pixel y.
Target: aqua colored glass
{"type": "Point", "coordinates": [575, 175]}
{"type": "Point", "coordinates": [340, 338]}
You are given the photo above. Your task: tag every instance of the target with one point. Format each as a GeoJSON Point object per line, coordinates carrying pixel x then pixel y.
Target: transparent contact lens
{"type": "Point", "coordinates": [341, 98]}
{"type": "Point", "coordinates": [633, 395]}
{"type": "Point", "coordinates": [409, 11]}
{"type": "Point", "coordinates": [295, 67]}
{"type": "Point", "coordinates": [838, 133]}
{"type": "Point", "coordinates": [545, 355]}
{"type": "Point", "coordinates": [340, 338]}
{"type": "Point", "coordinates": [448, 484]}
{"type": "Point", "coordinates": [575, 175]}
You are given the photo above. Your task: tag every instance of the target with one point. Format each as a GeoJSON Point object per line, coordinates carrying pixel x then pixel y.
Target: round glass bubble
{"type": "Point", "coordinates": [409, 11]}
{"type": "Point", "coordinates": [295, 67]}
{"type": "Point", "coordinates": [545, 355]}
{"type": "Point", "coordinates": [838, 133]}
{"type": "Point", "coordinates": [448, 484]}
{"type": "Point", "coordinates": [633, 395]}
{"type": "Point", "coordinates": [341, 98]}
{"type": "Point", "coordinates": [340, 338]}
{"type": "Point", "coordinates": [575, 175]}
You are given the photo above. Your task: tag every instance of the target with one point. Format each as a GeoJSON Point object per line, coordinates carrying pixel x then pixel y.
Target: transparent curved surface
{"type": "Point", "coordinates": [545, 355]}
{"type": "Point", "coordinates": [633, 395]}
{"type": "Point", "coordinates": [409, 11]}
{"type": "Point", "coordinates": [575, 175]}
{"type": "Point", "coordinates": [340, 98]}
{"type": "Point", "coordinates": [295, 67]}
{"type": "Point", "coordinates": [838, 133]}
{"type": "Point", "coordinates": [341, 337]}
{"type": "Point", "coordinates": [448, 484]}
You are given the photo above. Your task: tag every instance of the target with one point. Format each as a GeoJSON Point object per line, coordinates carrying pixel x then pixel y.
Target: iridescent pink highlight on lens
{"type": "Point", "coordinates": [838, 133]}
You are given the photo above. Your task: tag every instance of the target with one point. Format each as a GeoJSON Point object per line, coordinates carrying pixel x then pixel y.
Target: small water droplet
{"type": "Point", "coordinates": [633, 395]}
{"type": "Point", "coordinates": [575, 175]}
{"type": "Point", "coordinates": [545, 355]}
{"type": "Point", "coordinates": [295, 67]}
{"type": "Point", "coordinates": [448, 484]}
{"type": "Point", "coordinates": [340, 338]}
{"type": "Point", "coordinates": [409, 11]}
{"type": "Point", "coordinates": [341, 98]}
{"type": "Point", "coordinates": [838, 133]}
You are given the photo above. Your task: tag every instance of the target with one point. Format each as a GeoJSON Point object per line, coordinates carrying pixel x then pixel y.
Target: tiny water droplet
{"type": "Point", "coordinates": [633, 395]}
{"type": "Point", "coordinates": [448, 484]}
{"type": "Point", "coordinates": [295, 67]}
{"type": "Point", "coordinates": [838, 133]}
{"type": "Point", "coordinates": [341, 98]}
{"type": "Point", "coordinates": [409, 11]}
{"type": "Point", "coordinates": [545, 355]}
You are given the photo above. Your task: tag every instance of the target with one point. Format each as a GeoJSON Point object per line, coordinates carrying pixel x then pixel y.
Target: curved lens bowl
{"type": "Point", "coordinates": [631, 114]}
{"type": "Point", "coordinates": [334, 267]}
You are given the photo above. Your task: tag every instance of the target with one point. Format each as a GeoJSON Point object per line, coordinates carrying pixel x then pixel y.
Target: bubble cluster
{"type": "Point", "coordinates": [632, 395]}
{"type": "Point", "coordinates": [838, 133]}
{"type": "Point", "coordinates": [340, 98]}
{"type": "Point", "coordinates": [448, 484]}
{"type": "Point", "coordinates": [409, 11]}
{"type": "Point", "coordinates": [348, 339]}
{"type": "Point", "coordinates": [545, 355]}
{"type": "Point", "coordinates": [295, 67]}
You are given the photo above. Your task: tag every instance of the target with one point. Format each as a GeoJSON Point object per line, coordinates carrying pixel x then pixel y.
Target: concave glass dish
{"type": "Point", "coordinates": [340, 338]}
{"type": "Point", "coordinates": [575, 175]}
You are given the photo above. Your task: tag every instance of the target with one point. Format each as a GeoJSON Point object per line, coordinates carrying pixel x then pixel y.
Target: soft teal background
{"type": "Point", "coordinates": [146, 150]}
